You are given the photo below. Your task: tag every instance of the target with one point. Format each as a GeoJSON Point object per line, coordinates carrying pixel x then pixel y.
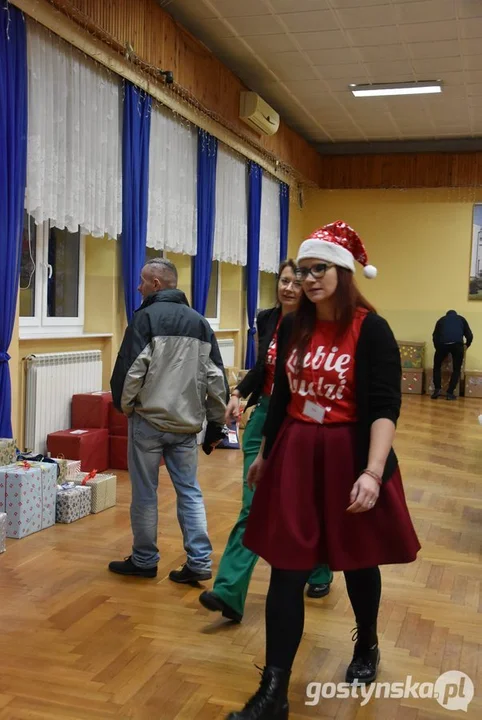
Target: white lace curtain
{"type": "Point", "coordinates": [172, 216]}
{"type": "Point", "coordinates": [269, 240]}
{"type": "Point", "coordinates": [231, 229]}
{"type": "Point", "coordinates": [74, 170]}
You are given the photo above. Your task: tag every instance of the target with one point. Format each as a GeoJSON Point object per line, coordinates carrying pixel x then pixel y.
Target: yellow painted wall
{"type": "Point", "coordinates": [297, 225]}
{"type": "Point", "coordinates": [420, 241]}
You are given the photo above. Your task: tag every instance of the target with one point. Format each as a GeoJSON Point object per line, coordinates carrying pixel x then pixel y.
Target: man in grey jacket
{"type": "Point", "coordinates": [168, 377]}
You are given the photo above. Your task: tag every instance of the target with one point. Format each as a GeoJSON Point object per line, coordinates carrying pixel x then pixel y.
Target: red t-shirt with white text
{"type": "Point", "coordinates": [327, 377]}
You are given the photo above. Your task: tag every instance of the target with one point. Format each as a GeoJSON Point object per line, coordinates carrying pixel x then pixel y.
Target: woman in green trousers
{"type": "Point", "coordinates": [228, 595]}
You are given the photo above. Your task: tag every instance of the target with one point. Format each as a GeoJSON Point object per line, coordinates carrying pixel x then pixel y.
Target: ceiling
{"type": "Point", "coordinates": [301, 55]}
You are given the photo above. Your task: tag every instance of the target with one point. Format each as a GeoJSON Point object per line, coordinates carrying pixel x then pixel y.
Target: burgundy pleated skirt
{"type": "Point", "coordinates": [298, 518]}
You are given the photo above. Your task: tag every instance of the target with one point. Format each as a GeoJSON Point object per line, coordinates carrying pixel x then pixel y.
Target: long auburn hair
{"type": "Point", "coordinates": [348, 299]}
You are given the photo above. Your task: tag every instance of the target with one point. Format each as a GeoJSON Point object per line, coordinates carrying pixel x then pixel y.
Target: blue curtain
{"type": "Point", "coordinates": [207, 158]}
{"type": "Point", "coordinates": [13, 169]}
{"type": "Point", "coordinates": [135, 186]}
{"type": "Point", "coordinates": [284, 213]}
{"type": "Point", "coordinates": [252, 268]}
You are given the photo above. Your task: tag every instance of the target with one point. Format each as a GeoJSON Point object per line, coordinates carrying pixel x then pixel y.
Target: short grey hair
{"type": "Point", "coordinates": [165, 270]}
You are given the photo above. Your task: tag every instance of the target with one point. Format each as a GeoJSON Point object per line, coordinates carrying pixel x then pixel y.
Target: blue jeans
{"type": "Point", "coordinates": [147, 447]}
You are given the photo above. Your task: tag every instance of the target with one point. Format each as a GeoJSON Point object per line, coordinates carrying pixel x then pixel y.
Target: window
{"type": "Point", "coordinates": [51, 280]}
{"type": "Point", "coordinates": [213, 306]}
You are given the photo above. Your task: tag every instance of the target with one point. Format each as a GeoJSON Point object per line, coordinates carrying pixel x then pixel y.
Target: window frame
{"type": "Point", "coordinates": [40, 325]}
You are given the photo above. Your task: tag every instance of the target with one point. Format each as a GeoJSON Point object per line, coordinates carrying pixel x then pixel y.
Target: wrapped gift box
{"type": "Point", "coordinates": [73, 502]}
{"type": "Point", "coordinates": [3, 532]}
{"type": "Point", "coordinates": [23, 499]}
{"type": "Point", "coordinates": [118, 452]}
{"type": "Point", "coordinates": [412, 382]}
{"type": "Point", "coordinates": [68, 469]}
{"type": "Point", "coordinates": [8, 451]}
{"type": "Point", "coordinates": [49, 481]}
{"type": "Point", "coordinates": [473, 384]}
{"type": "Point", "coordinates": [104, 489]}
{"type": "Point", "coordinates": [91, 410]}
{"type": "Point", "coordinates": [90, 446]}
{"type": "Point", "coordinates": [117, 423]}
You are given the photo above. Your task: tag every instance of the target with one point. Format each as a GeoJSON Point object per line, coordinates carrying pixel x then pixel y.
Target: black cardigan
{"type": "Point", "coordinates": [378, 375]}
{"type": "Point", "coordinates": [252, 384]}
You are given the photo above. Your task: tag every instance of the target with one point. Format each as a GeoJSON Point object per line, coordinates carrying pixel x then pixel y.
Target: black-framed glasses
{"type": "Point", "coordinates": [317, 271]}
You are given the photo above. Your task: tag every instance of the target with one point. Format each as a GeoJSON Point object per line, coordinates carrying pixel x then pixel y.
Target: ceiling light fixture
{"type": "Point", "coordinates": [408, 88]}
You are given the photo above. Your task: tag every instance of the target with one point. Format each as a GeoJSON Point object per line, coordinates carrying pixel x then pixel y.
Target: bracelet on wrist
{"type": "Point", "coordinates": [373, 475]}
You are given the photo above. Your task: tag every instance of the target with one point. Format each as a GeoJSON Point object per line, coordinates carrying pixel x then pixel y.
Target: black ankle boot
{"type": "Point", "coordinates": [271, 700]}
{"type": "Point", "coordinates": [366, 657]}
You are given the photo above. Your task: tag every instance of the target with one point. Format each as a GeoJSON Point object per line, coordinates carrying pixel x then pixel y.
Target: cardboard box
{"type": "Point", "coordinates": [412, 355]}
{"type": "Point", "coordinates": [68, 469]}
{"type": "Point", "coordinates": [473, 384]}
{"type": "Point", "coordinates": [91, 410]}
{"type": "Point", "coordinates": [104, 489]}
{"type": "Point", "coordinates": [3, 532]}
{"type": "Point", "coordinates": [117, 423]}
{"type": "Point", "coordinates": [8, 451]}
{"type": "Point", "coordinates": [49, 490]}
{"type": "Point", "coordinates": [412, 382]}
{"type": "Point", "coordinates": [118, 452]}
{"type": "Point", "coordinates": [73, 502]}
{"type": "Point", "coordinates": [22, 490]}
{"type": "Point", "coordinates": [429, 386]}
{"type": "Point", "coordinates": [90, 446]}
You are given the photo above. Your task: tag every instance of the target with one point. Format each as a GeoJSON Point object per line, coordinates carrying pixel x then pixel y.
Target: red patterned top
{"type": "Point", "coordinates": [327, 379]}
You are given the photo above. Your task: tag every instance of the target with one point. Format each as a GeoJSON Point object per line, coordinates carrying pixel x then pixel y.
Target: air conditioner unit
{"type": "Point", "coordinates": [256, 113]}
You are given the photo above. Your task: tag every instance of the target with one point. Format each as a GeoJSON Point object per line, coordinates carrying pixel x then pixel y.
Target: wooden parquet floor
{"type": "Point", "coordinates": [78, 643]}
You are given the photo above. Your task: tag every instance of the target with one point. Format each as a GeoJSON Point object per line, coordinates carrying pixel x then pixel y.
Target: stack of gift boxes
{"type": "Point", "coordinates": [97, 436]}
{"type": "Point", "coordinates": [35, 495]}
{"type": "Point", "coordinates": [69, 485]}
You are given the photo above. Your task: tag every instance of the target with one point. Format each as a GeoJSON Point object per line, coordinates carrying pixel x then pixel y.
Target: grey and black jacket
{"type": "Point", "coordinates": [169, 369]}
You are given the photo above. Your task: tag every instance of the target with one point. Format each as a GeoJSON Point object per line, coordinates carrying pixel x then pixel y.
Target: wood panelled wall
{"type": "Point", "coordinates": [158, 40]}
{"type": "Point", "coordinates": [421, 170]}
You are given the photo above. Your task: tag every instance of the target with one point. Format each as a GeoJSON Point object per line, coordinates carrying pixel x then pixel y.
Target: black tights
{"type": "Point", "coordinates": [285, 609]}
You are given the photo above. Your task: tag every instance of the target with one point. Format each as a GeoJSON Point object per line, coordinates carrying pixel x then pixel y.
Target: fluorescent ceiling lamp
{"type": "Point", "coordinates": [413, 88]}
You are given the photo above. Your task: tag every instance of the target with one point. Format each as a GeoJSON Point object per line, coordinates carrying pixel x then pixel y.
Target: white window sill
{"type": "Point", "coordinates": [62, 336]}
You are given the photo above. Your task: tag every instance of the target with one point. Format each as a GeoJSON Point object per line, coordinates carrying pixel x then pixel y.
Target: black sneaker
{"type": "Point", "coordinates": [188, 576]}
{"type": "Point", "coordinates": [213, 602]}
{"type": "Point", "coordinates": [127, 567]}
{"type": "Point", "coordinates": [451, 396]}
{"type": "Point", "coordinates": [318, 591]}
{"type": "Point", "coordinates": [436, 394]}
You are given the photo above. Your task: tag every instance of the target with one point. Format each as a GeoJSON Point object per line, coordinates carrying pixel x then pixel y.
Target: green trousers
{"type": "Point", "coordinates": [237, 564]}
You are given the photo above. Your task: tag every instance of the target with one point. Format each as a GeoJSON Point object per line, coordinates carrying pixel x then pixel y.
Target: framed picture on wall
{"type": "Point", "coordinates": [475, 283]}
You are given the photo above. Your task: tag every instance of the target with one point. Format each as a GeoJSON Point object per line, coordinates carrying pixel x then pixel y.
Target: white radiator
{"type": "Point", "coordinates": [226, 348]}
{"type": "Point", "coordinates": [52, 379]}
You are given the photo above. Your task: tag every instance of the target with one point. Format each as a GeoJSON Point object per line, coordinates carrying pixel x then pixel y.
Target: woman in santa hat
{"type": "Point", "coordinates": [329, 488]}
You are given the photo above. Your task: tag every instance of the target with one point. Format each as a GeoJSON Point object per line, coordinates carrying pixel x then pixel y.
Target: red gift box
{"type": "Point", "coordinates": [90, 446]}
{"type": "Point", "coordinates": [117, 423]}
{"type": "Point", "coordinates": [118, 452]}
{"type": "Point", "coordinates": [91, 410]}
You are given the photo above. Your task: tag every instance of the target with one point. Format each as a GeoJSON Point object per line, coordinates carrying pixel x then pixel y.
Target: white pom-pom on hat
{"type": "Point", "coordinates": [370, 271]}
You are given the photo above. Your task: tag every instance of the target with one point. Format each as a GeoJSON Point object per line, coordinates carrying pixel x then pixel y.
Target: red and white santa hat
{"type": "Point", "coordinates": [339, 244]}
